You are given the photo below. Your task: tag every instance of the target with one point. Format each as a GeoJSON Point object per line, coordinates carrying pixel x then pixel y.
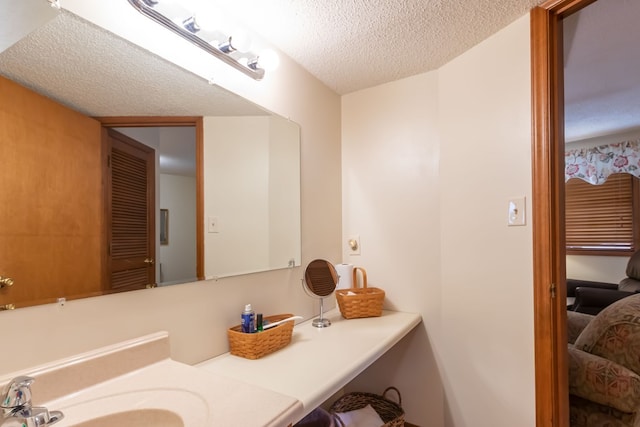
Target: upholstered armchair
{"type": "Point", "coordinates": [604, 366]}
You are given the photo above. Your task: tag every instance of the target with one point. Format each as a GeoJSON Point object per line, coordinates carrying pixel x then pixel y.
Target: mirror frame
{"type": "Point", "coordinates": [197, 122]}
{"type": "Point", "coordinates": [308, 279]}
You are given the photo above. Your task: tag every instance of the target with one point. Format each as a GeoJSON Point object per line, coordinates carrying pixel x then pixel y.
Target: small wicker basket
{"type": "Point", "coordinates": [258, 344]}
{"type": "Point", "coordinates": [389, 411]}
{"type": "Point", "coordinates": [360, 302]}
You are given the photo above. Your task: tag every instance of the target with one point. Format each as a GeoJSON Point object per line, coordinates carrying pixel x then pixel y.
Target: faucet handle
{"type": "Point", "coordinates": [17, 394]}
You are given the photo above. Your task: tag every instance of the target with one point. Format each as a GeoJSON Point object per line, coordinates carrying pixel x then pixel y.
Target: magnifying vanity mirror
{"type": "Point", "coordinates": [320, 280]}
{"type": "Point", "coordinates": [246, 186]}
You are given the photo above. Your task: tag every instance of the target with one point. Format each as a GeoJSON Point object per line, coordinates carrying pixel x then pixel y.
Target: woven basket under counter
{"type": "Point", "coordinates": [259, 344]}
{"type": "Point", "coordinates": [389, 411]}
{"type": "Point", "coordinates": [360, 302]}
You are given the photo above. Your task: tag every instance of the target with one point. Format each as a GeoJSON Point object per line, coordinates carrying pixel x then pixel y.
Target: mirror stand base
{"type": "Point", "coordinates": [321, 323]}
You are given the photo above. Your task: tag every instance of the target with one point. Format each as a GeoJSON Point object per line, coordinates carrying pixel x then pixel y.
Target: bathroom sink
{"type": "Point", "coordinates": [136, 384]}
{"type": "Point", "coordinates": [165, 407]}
{"type": "Point", "coordinates": [136, 418]}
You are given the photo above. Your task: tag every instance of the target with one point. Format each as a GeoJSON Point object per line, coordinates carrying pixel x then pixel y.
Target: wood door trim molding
{"type": "Point", "coordinates": [551, 391]}
{"type": "Point", "coordinates": [148, 121]}
{"type": "Point", "coordinates": [549, 276]}
{"type": "Point", "coordinates": [198, 123]}
{"type": "Point", "coordinates": [200, 198]}
{"type": "Point", "coordinates": [563, 8]}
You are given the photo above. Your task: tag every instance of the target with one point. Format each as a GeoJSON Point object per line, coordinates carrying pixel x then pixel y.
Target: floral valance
{"type": "Point", "coordinates": [595, 164]}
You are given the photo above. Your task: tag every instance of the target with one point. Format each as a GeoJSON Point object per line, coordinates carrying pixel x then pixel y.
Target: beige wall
{"type": "Point", "coordinates": [487, 276]}
{"type": "Point", "coordinates": [252, 186]}
{"type": "Point", "coordinates": [391, 192]}
{"type": "Point", "coordinates": [609, 269]}
{"type": "Point", "coordinates": [236, 151]}
{"type": "Point", "coordinates": [178, 257]}
{"type": "Point", "coordinates": [284, 191]}
{"type": "Point", "coordinates": [429, 164]}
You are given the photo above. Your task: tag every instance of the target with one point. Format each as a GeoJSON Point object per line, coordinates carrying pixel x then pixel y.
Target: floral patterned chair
{"type": "Point", "coordinates": [604, 366]}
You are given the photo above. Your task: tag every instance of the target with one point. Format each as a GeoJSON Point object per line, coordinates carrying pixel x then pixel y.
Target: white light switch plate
{"type": "Point", "coordinates": [213, 224]}
{"type": "Point", "coordinates": [517, 210]}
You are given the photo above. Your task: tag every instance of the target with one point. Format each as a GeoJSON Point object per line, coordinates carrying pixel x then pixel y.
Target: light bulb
{"type": "Point", "coordinates": [208, 18]}
{"type": "Point", "coordinates": [190, 5]}
{"type": "Point", "coordinates": [240, 41]}
{"type": "Point", "coordinates": [268, 60]}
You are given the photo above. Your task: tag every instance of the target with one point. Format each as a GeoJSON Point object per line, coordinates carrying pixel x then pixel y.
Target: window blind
{"type": "Point", "coordinates": [600, 217]}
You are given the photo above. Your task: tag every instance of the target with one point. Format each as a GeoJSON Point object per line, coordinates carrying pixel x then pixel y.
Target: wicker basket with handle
{"type": "Point", "coordinates": [389, 411]}
{"type": "Point", "coordinates": [259, 344]}
{"type": "Point", "coordinates": [360, 302]}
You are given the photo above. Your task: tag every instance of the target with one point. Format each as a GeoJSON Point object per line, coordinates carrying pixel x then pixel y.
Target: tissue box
{"type": "Point", "coordinates": [259, 344]}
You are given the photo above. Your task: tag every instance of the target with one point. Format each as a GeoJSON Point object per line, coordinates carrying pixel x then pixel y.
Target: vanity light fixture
{"type": "Point", "coordinates": [233, 49]}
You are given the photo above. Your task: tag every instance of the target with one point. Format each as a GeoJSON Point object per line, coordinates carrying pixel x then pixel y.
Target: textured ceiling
{"type": "Point", "coordinates": [347, 44]}
{"type": "Point", "coordinates": [356, 44]}
{"type": "Point", "coordinates": [100, 74]}
{"type": "Point", "coordinates": [602, 59]}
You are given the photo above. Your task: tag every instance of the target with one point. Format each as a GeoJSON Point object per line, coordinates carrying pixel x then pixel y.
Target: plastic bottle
{"type": "Point", "coordinates": [248, 319]}
{"type": "Point", "coordinates": [259, 326]}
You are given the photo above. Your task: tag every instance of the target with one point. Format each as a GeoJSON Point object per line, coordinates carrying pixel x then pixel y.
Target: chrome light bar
{"type": "Point", "coordinates": [146, 7]}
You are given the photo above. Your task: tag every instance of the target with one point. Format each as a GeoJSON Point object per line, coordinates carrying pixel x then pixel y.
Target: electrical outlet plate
{"type": "Point", "coordinates": [353, 243]}
{"type": "Point", "coordinates": [517, 210]}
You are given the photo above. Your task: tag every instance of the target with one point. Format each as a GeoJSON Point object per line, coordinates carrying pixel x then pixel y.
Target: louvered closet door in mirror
{"type": "Point", "coordinates": [132, 219]}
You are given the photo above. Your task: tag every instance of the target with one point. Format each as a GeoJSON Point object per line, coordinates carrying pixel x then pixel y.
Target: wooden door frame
{"type": "Point", "coordinates": [549, 252]}
{"type": "Point", "coordinates": [197, 122]}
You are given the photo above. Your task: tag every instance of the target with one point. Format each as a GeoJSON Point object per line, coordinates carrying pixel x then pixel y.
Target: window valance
{"type": "Point", "coordinates": [595, 164]}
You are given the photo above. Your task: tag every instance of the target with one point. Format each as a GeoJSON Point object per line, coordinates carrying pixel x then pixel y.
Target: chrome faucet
{"type": "Point", "coordinates": [17, 410]}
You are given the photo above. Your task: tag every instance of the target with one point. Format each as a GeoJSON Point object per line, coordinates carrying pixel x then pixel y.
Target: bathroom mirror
{"type": "Point", "coordinates": [250, 157]}
{"type": "Point", "coordinates": [320, 280]}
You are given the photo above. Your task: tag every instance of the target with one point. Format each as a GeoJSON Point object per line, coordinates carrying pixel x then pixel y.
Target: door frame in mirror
{"type": "Point", "coordinates": [197, 122]}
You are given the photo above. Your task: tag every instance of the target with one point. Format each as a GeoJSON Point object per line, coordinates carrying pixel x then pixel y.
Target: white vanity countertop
{"type": "Point", "coordinates": [136, 378]}
{"type": "Point", "coordinates": [199, 398]}
{"type": "Point", "coordinates": [319, 361]}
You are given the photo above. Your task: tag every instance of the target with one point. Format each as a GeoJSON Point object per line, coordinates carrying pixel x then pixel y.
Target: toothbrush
{"type": "Point", "coordinates": [271, 325]}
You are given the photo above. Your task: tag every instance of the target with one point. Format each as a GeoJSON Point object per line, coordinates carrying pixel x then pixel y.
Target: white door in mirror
{"type": "Point", "coordinates": [517, 210]}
